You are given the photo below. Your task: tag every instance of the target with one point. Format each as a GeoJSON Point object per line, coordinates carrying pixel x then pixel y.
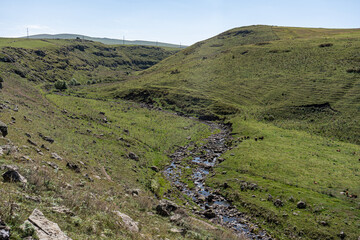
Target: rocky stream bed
{"type": "Point", "coordinates": [212, 204]}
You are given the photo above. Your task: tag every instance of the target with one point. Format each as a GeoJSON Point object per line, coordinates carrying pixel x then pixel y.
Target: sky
{"type": "Point", "coordinates": [171, 21]}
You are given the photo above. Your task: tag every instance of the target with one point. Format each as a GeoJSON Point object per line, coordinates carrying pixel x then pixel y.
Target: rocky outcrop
{"type": "Point", "coordinates": [45, 229]}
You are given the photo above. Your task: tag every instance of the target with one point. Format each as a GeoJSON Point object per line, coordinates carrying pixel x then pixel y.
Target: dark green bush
{"type": "Point", "coordinates": [61, 85]}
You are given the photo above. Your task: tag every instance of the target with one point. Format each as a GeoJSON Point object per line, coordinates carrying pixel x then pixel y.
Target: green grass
{"type": "Point", "coordinates": [272, 82]}
{"type": "Point", "coordinates": [82, 137]}
{"type": "Point", "coordinates": [267, 71]}
{"type": "Point", "coordinates": [290, 163]}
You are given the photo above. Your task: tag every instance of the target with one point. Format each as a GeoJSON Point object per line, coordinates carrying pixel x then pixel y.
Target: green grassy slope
{"type": "Point", "coordinates": [52, 60]}
{"type": "Point", "coordinates": [98, 137]}
{"type": "Point", "coordinates": [269, 73]}
{"type": "Point", "coordinates": [299, 88]}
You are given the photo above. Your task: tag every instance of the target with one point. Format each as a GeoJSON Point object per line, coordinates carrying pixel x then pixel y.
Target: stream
{"type": "Point", "coordinates": [212, 204]}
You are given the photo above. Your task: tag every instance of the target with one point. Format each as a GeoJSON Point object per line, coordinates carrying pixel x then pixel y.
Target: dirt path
{"type": "Point", "coordinates": [201, 159]}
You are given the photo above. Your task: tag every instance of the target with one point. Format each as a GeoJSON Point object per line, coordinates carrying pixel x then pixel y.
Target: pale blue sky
{"type": "Point", "coordinates": [173, 21]}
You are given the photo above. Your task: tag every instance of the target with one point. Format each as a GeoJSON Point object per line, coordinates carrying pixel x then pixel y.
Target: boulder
{"type": "Point", "coordinates": [73, 166]}
{"type": "Point", "coordinates": [3, 129]}
{"type": "Point", "coordinates": [128, 222]}
{"type": "Point", "coordinates": [45, 229]}
{"type": "Point", "coordinates": [165, 207]}
{"type": "Point", "coordinates": [56, 156]}
{"type": "Point", "coordinates": [13, 176]}
{"type": "Point", "coordinates": [301, 205]}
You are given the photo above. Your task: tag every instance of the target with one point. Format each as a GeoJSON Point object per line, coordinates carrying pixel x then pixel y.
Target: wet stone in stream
{"type": "Point", "coordinates": [214, 206]}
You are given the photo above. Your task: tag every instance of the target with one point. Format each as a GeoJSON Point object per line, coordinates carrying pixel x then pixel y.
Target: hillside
{"type": "Point", "coordinates": [108, 41]}
{"type": "Point", "coordinates": [49, 61]}
{"type": "Point", "coordinates": [297, 89]}
{"type": "Point", "coordinates": [90, 166]}
{"type": "Point", "coordinates": [295, 77]}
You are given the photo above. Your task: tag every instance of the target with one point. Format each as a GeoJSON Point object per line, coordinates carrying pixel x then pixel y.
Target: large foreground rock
{"type": "Point", "coordinates": [3, 129]}
{"type": "Point", "coordinates": [45, 229]}
{"type": "Point", "coordinates": [128, 222]}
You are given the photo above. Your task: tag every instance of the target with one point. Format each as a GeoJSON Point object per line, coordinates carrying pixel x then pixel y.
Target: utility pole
{"type": "Point", "coordinates": [27, 33]}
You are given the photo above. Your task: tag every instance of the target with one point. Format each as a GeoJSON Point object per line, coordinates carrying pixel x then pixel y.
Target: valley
{"type": "Point", "coordinates": [251, 134]}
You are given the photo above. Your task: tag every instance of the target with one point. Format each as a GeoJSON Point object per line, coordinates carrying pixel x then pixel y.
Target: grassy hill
{"type": "Point", "coordinates": [89, 168]}
{"type": "Point", "coordinates": [48, 61]}
{"type": "Point", "coordinates": [297, 78]}
{"type": "Point", "coordinates": [108, 41]}
{"type": "Point", "coordinates": [298, 88]}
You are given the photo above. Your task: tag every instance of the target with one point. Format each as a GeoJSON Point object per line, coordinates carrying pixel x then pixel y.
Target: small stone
{"type": "Point", "coordinates": [133, 156]}
{"type": "Point", "coordinates": [56, 156]}
{"type": "Point", "coordinates": [278, 203]}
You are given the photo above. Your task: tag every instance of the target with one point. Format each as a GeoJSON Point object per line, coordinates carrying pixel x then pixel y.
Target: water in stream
{"type": "Point", "coordinates": [213, 205]}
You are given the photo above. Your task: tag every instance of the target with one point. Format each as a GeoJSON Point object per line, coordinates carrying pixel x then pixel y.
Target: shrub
{"type": "Point", "coordinates": [74, 82]}
{"type": "Point", "coordinates": [61, 85]}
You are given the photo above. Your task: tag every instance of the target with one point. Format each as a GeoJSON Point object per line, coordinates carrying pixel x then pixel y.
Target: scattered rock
{"type": "Point", "coordinates": [154, 168]}
{"type": "Point", "coordinates": [46, 138]}
{"type": "Point", "coordinates": [13, 176]}
{"type": "Point", "coordinates": [128, 222]}
{"type": "Point", "coordinates": [342, 235]}
{"type": "Point", "coordinates": [56, 156]}
{"type": "Point", "coordinates": [74, 167]}
{"type": "Point", "coordinates": [28, 135]}
{"type": "Point", "coordinates": [209, 214]}
{"type": "Point", "coordinates": [323, 223]}
{"type": "Point", "coordinates": [4, 231]}
{"type": "Point", "coordinates": [32, 142]}
{"type": "Point", "coordinates": [62, 210]}
{"type": "Point", "coordinates": [44, 147]}
{"type": "Point", "coordinates": [165, 207]}
{"type": "Point", "coordinates": [3, 129]}
{"type": "Point", "coordinates": [45, 229]}
{"type": "Point", "coordinates": [53, 165]}
{"type": "Point", "coordinates": [301, 205]}
{"type": "Point", "coordinates": [278, 203]}
{"type": "Point", "coordinates": [133, 156]}
{"type": "Point", "coordinates": [176, 230]}
{"type": "Point", "coordinates": [176, 217]}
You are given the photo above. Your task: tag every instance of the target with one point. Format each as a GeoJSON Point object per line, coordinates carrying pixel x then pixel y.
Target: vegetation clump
{"type": "Point", "coordinates": [60, 85]}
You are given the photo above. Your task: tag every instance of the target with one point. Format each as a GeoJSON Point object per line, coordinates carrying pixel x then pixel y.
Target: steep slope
{"type": "Point", "coordinates": [298, 78]}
